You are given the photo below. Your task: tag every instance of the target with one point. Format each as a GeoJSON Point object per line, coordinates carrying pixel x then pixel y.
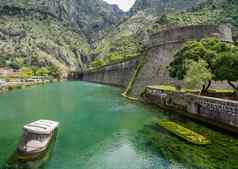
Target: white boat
{"type": "Point", "coordinates": [36, 137]}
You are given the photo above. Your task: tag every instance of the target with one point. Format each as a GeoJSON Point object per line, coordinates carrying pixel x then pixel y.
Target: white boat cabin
{"type": "Point", "coordinates": [44, 127]}
{"type": "Point", "coordinates": [37, 135]}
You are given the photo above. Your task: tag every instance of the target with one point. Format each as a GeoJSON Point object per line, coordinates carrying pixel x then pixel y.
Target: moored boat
{"type": "Point", "coordinates": [36, 138]}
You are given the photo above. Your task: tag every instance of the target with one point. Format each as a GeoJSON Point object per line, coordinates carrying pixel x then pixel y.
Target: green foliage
{"type": "Point", "coordinates": [215, 59]}
{"type": "Point", "coordinates": [42, 72]}
{"type": "Point", "coordinates": [12, 61]}
{"type": "Point", "coordinates": [97, 63]}
{"type": "Point", "coordinates": [184, 133]}
{"type": "Point", "coordinates": [14, 65]}
{"type": "Point", "coordinates": [197, 74]}
{"type": "Point", "coordinates": [164, 88]}
{"type": "Point", "coordinates": [205, 49]}
{"type": "Point", "coordinates": [55, 72]}
{"type": "Point", "coordinates": [118, 47]}
{"type": "Point", "coordinates": [163, 19]}
{"type": "Point", "coordinates": [125, 47]}
{"type": "Point", "coordinates": [26, 73]}
{"type": "Point", "coordinates": [227, 66]}
{"type": "Point", "coordinates": [211, 156]}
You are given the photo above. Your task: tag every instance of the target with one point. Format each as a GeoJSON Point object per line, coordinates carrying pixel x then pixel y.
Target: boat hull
{"type": "Point", "coordinates": [27, 156]}
{"type": "Point", "coordinates": [17, 160]}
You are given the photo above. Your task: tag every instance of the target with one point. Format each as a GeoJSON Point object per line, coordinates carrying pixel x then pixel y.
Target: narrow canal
{"type": "Point", "coordinates": [99, 129]}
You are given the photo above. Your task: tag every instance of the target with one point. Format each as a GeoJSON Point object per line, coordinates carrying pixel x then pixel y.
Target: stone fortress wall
{"type": "Point", "coordinates": [164, 45]}
{"type": "Point", "coordinates": [116, 74]}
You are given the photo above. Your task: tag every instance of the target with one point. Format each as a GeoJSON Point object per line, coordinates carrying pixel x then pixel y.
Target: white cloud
{"type": "Point", "coordinates": [123, 4]}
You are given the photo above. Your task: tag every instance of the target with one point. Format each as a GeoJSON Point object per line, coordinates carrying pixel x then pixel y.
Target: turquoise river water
{"type": "Point", "coordinates": [99, 129]}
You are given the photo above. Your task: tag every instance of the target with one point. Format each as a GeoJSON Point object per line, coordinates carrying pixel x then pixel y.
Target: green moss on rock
{"type": "Point", "coordinates": [184, 133]}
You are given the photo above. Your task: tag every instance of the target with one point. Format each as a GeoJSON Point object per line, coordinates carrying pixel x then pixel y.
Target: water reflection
{"type": "Point", "coordinates": [16, 161]}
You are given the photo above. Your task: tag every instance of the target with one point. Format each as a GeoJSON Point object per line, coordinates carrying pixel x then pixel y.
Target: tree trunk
{"type": "Point", "coordinates": [208, 85]}
{"type": "Point", "coordinates": [205, 88]}
{"type": "Point", "coordinates": [233, 86]}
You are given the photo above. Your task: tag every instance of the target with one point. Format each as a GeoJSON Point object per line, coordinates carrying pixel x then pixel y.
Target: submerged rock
{"type": "Point", "coordinates": [184, 133]}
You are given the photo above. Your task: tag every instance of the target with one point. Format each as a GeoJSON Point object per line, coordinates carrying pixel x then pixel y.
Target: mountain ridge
{"type": "Point", "coordinates": [83, 34]}
{"type": "Point", "coordinates": [89, 16]}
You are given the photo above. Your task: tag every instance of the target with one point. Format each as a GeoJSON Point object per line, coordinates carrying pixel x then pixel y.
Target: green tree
{"type": "Point", "coordinates": [208, 50]}
{"type": "Point", "coordinates": [42, 72]}
{"type": "Point", "coordinates": [55, 72]}
{"type": "Point", "coordinates": [14, 65]}
{"type": "Point", "coordinates": [163, 19]}
{"type": "Point", "coordinates": [198, 75]}
{"type": "Point", "coordinates": [227, 67]}
{"type": "Point", "coordinates": [97, 63]}
{"type": "Point", "coordinates": [26, 73]}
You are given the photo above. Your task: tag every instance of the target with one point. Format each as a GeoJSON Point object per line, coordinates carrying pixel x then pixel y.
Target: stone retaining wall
{"type": "Point", "coordinates": [116, 74]}
{"type": "Point", "coordinates": [223, 113]}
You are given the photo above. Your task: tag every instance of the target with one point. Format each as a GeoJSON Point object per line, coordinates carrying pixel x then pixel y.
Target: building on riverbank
{"type": "Point", "coordinates": [8, 72]}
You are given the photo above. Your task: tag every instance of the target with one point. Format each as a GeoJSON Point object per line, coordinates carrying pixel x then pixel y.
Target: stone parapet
{"type": "Point", "coordinates": [193, 32]}
{"type": "Point", "coordinates": [220, 112]}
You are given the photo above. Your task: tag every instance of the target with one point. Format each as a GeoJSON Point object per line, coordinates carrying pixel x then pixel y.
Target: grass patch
{"type": "Point", "coordinates": [186, 90]}
{"type": "Point", "coordinates": [163, 87]}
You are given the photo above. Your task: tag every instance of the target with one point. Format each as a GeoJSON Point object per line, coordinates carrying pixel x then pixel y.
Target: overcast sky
{"type": "Point", "coordinates": [123, 4]}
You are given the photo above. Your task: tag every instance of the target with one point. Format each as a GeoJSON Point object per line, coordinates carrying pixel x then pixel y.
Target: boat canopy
{"type": "Point", "coordinates": [41, 127]}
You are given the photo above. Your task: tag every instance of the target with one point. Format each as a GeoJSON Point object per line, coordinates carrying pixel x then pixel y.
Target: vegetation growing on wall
{"type": "Point", "coordinates": [135, 75]}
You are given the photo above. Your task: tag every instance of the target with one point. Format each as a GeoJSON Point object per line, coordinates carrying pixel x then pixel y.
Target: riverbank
{"type": "Point", "coordinates": [9, 86]}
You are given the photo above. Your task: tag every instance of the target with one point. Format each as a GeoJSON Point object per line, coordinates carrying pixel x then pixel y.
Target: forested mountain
{"type": "Point", "coordinates": [79, 34]}
{"type": "Point", "coordinates": [52, 32]}
{"type": "Point", "coordinates": [150, 16]}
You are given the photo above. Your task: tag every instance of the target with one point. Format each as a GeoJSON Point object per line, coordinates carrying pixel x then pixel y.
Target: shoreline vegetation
{"type": "Point", "coordinates": [21, 85]}
{"type": "Point", "coordinates": [11, 79]}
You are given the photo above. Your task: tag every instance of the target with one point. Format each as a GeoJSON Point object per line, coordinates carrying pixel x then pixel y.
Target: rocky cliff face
{"type": "Point", "coordinates": [42, 33]}
{"type": "Point", "coordinates": [89, 16]}
{"type": "Point", "coordinates": [40, 42]}
{"type": "Point", "coordinates": [160, 6]}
